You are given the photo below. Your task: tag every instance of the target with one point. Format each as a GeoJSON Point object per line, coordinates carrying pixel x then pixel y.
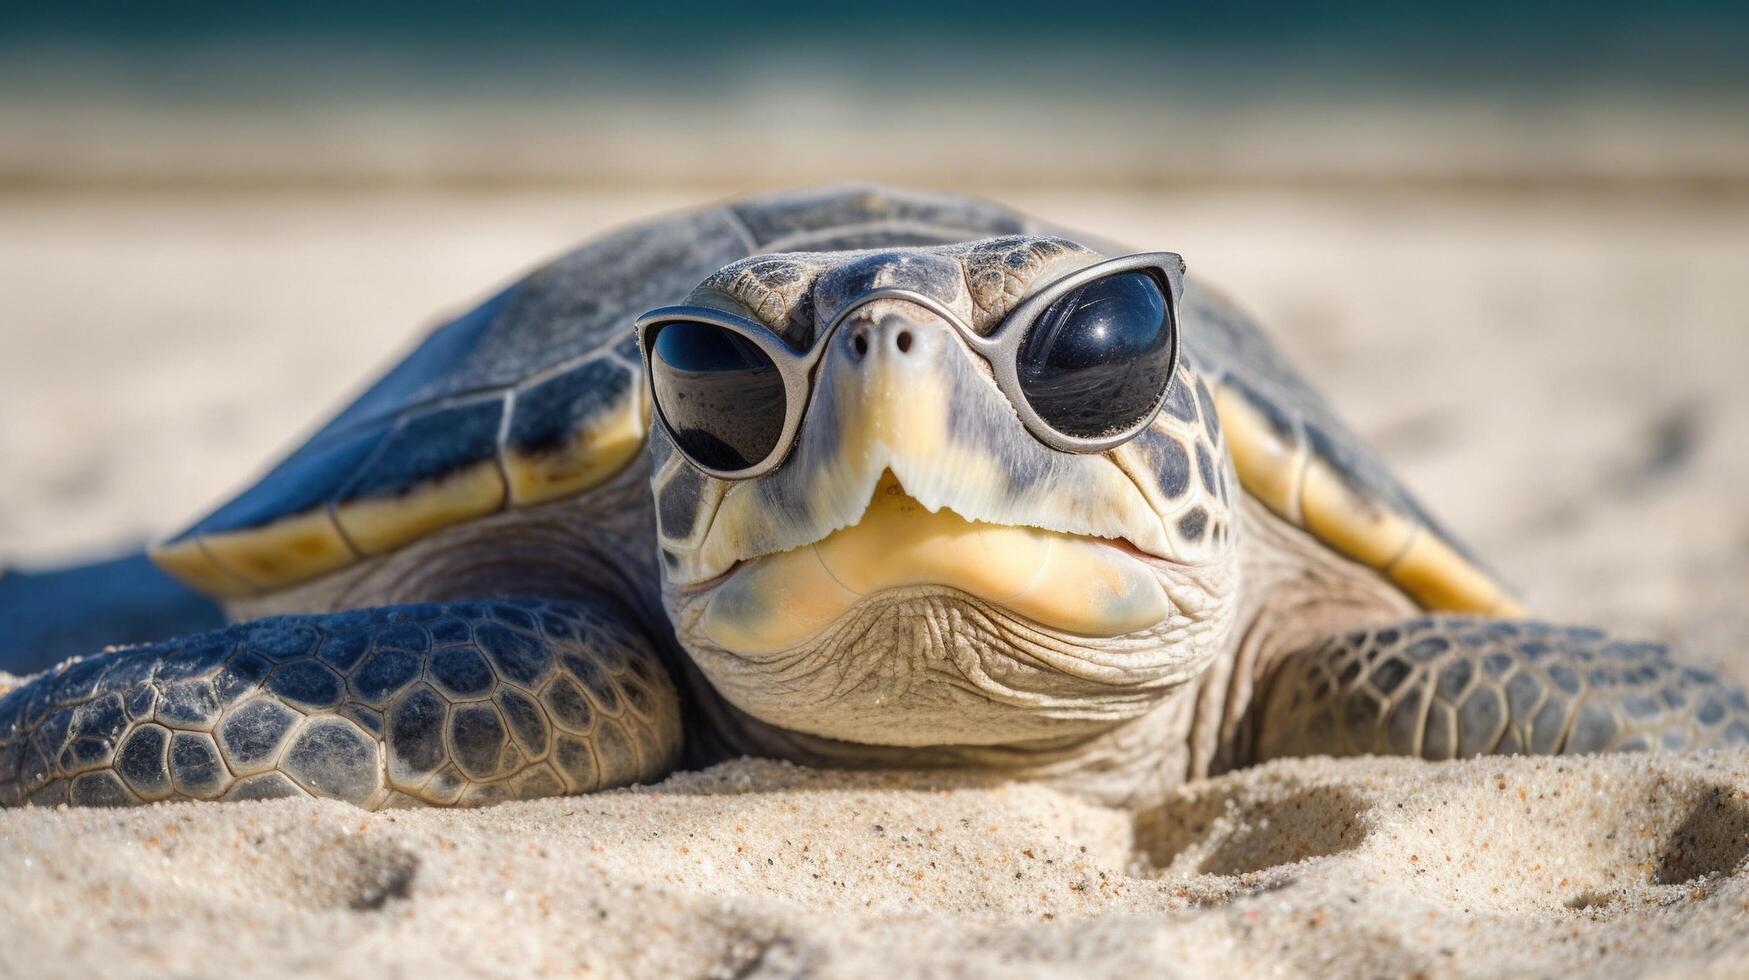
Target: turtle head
{"type": "Point", "coordinates": [892, 540]}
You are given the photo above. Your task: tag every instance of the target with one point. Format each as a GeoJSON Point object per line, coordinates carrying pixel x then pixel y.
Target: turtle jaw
{"type": "Point", "coordinates": [926, 664]}
{"type": "Point", "coordinates": [915, 627]}
{"type": "Point", "coordinates": [1072, 583]}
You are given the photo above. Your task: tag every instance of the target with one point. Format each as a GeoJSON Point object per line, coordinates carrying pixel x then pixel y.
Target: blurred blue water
{"type": "Point", "coordinates": [902, 90]}
{"type": "Point", "coordinates": [1028, 43]}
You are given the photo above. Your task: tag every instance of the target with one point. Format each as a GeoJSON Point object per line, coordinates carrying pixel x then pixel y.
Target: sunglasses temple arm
{"type": "Point", "coordinates": [1174, 268]}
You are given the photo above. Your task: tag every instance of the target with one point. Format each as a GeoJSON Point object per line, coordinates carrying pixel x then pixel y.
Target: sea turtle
{"type": "Point", "coordinates": [886, 479]}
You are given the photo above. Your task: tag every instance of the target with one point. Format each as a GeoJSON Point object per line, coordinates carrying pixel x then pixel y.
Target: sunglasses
{"type": "Point", "coordinates": [1086, 361]}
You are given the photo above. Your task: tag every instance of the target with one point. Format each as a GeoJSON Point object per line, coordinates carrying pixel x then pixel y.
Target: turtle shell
{"type": "Point", "coordinates": [536, 395]}
{"type": "Point", "coordinates": [1294, 455]}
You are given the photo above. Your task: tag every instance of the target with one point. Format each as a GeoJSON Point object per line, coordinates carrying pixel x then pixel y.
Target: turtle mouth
{"type": "Point", "coordinates": [1071, 583]}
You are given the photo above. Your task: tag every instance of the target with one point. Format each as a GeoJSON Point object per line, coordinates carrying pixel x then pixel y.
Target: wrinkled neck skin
{"type": "Point", "coordinates": [922, 582]}
{"type": "Point", "coordinates": [1290, 591]}
{"type": "Point", "coordinates": [1297, 591]}
{"type": "Point", "coordinates": [1124, 747]}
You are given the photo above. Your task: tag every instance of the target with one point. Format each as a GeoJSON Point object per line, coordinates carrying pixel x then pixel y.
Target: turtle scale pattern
{"type": "Point", "coordinates": [1453, 687]}
{"type": "Point", "coordinates": [466, 703]}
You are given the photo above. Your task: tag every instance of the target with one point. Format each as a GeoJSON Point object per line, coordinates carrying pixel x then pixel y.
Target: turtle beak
{"type": "Point", "coordinates": [1083, 586]}
{"type": "Point", "coordinates": [889, 380]}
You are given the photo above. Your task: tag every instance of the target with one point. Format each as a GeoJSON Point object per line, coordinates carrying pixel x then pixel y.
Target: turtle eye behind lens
{"type": "Point", "coordinates": [721, 396]}
{"type": "Point", "coordinates": [1097, 361]}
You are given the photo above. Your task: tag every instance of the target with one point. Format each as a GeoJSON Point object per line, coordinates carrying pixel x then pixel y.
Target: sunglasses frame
{"type": "Point", "coordinates": [1000, 350]}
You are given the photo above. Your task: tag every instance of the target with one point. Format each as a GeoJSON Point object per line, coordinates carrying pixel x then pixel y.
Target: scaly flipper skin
{"type": "Point", "coordinates": [1452, 687]}
{"type": "Point", "coordinates": [432, 703]}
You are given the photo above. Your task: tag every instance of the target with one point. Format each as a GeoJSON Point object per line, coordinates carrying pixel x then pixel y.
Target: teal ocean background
{"type": "Point", "coordinates": [1026, 93]}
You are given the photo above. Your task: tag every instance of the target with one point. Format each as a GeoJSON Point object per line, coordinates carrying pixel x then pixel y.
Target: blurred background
{"type": "Point", "coordinates": [1511, 241]}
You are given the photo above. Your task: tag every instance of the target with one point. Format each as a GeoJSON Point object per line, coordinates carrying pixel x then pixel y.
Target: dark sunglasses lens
{"type": "Point", "coordinates": [1099, 359]}
{"type": "Point", "coordinates": [722, 397]}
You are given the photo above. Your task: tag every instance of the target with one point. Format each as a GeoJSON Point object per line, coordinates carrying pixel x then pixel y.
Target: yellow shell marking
{"type": "Point", "coordinates": [296, 549]}
{"type": "Point", "coordinates": [193, 567]}
{"type": "Point", "coordinates": [379, 524]}
{"type": "Point", "coordinates": [1269, 468]}
{"type": "Point", "coordinates": [1357, 526]}
{"type": "Point", "coordinates": [291, 549]}
{"type": "Point", "coordinates": [1439, 578]}
{"type": "Point", "coordinates": [1308, 492]}
{"type": "Point", "coordinates": [599, 448]}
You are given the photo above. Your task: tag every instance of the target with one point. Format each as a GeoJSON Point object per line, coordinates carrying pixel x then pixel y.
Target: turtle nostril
{"type": "Point", "coordinates": [903, 341]}
{"type": "Point", "coordinates": [859, 343]}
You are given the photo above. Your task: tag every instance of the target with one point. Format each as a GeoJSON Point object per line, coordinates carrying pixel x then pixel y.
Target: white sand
{"type": "Point", "coordinates": [1518, 359]}
{"type": "Point", "coordinates": [1503, 867]}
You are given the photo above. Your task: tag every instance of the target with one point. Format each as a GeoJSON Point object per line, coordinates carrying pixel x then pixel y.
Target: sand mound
{"type": "Point", "coordinates": [1618, 865]}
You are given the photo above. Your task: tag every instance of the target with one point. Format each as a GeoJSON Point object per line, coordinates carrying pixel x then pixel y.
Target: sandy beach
{"type": "Point", "coordinates": [1559, 376]}
{"type": "Point", "coordinates": [1508, 867]}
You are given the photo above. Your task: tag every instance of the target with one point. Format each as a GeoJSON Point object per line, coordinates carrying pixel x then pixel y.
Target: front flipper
{"type": "Point", "coordinates": [1444, 687]}
{"type": "Point", "coordinates": [448, 704]}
